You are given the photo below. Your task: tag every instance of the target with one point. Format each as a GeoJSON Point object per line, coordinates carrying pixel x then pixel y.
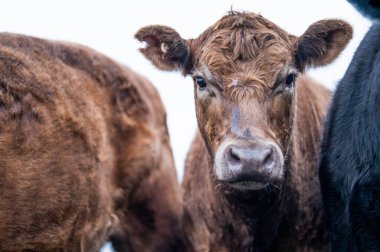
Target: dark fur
{"type": "Point", "coordinates": [84, 152]}
{"type": "Point", "coordinates": [369, 8]}
{"type": "Point", "coordinates": [350, 155]}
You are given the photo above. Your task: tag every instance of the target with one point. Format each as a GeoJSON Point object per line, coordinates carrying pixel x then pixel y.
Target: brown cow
{"type": "Point", "coordinates": [84, 152]}
{"type": "Point", "coordinates": [250, 182]}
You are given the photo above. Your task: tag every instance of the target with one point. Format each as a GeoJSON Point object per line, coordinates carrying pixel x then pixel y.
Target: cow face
{"type": "Point", "coordinates": [244, 69]}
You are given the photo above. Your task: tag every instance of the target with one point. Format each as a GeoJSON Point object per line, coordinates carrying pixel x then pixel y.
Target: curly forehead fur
{"type": "Point", "coordinates": [244, 52]}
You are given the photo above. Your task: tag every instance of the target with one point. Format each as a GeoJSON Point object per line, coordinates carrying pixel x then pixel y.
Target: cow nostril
{"type": "Point", "coordinates": [233, 157]}
{"type": "Point", "coordinates": [269, 159]}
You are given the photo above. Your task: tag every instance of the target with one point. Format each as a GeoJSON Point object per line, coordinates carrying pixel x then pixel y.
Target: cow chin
{"type": "Point", "coordinates": [252, 184]}
{"type": "Point", "coordinates": [248, 185]}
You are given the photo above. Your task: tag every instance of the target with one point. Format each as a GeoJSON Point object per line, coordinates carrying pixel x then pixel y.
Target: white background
{"type": "Point", "coordinates": [109, 27]}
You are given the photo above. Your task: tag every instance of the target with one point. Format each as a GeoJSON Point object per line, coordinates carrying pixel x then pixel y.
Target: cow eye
{"type": "Point", "coordinates": [200, 82]}
{"type": "Point", "coordinates": [290, 79]}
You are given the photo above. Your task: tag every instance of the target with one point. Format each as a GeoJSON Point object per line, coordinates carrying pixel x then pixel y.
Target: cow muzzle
{"type": "Point", "coordinates": [249, 166]}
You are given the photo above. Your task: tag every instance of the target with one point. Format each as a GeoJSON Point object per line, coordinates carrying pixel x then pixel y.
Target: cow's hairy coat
{"type": "Point", "coordinates": [349, 160]}
{"type": "Point", "coordinates": [244, 68]}
{"type": "Point", "coordinates": [84, 152]}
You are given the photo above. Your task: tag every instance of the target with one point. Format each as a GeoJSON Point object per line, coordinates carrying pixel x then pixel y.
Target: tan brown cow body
{"type": "Point", "coordinates": [251, 182]}
{"type": "Point", "coordinates": [84, 152]}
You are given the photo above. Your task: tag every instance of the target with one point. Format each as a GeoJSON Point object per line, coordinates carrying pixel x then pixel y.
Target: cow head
{"type": "Point", "coordinates": [244, 69]}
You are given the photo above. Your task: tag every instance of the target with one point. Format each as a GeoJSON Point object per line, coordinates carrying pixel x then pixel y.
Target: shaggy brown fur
{"type": "Point", "coordinates": [294, 222]}
{"type": "Point", "coordinates": [244, 68]}
{"type": "Point", "coordinates": [84, 152]}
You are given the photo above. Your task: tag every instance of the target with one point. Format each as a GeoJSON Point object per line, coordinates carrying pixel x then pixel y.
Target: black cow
{"type": "Point", "coordinates": [349, 166]}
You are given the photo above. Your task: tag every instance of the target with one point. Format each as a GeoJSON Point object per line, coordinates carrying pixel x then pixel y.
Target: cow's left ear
{"type": "Point", "coordinates": [165, 48]}
{"type": "Point", "coordinates": [322, 43]}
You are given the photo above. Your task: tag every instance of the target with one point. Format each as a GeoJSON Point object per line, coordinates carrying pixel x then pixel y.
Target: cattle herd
{"type": "Point", "coordinates": [277, 163]}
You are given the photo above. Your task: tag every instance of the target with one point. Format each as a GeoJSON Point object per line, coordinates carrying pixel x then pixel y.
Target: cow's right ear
{"type": "Point", "coordinates": [165, 48]}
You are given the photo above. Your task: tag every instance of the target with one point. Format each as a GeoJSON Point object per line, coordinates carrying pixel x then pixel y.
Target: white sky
{"type": "Point", "coordinates": [109, 27]}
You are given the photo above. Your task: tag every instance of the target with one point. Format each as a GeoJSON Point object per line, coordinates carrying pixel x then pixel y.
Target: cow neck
{"type": "Point", "coordinates": [254, 218]}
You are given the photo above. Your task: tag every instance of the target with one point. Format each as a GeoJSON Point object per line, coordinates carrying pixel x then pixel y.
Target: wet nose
{"type": "Point", "coordinates": [255, 163]}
